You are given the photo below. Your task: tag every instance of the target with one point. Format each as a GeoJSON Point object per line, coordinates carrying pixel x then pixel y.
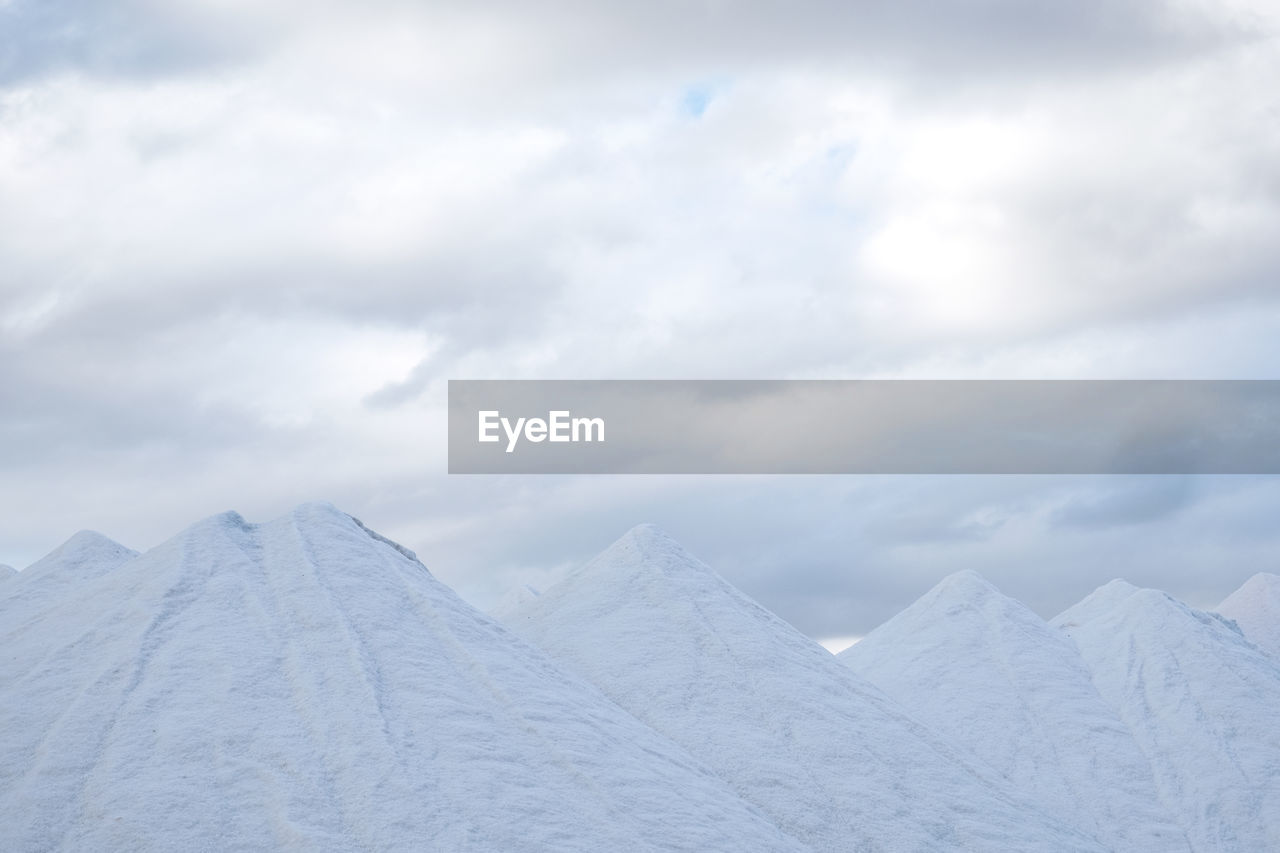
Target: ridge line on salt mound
{"type": "Point", "coordinates": [307, 513]}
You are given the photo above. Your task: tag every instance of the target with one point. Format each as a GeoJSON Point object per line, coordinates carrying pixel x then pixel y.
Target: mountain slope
{"type": "Point", "coordinates": [1201, 703]}
{"type": "Point", "coordinates": [307, 684]}
{"type": "Point", "coordinates": [7, 573]}
{"type": "Point", "coordinates": [1255, 608]}
{"type": "Point", "coordinates": [829, 757]}
{"type": "Point", "coordinates": [986, 672]}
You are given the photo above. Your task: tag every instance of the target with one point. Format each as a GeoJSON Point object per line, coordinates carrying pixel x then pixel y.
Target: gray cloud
{"type": "Point", "coordinates": [1140, 501]}
{"type": "Point", "coordinates": [126, 38]}
{"type": "Point", "coordinates": [522, 48]}
{"type": "Point", "coordinates": [946, 36]}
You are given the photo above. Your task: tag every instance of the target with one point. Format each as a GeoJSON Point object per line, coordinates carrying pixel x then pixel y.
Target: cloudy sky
{"type": "Point", "coordinates": [244, 244]}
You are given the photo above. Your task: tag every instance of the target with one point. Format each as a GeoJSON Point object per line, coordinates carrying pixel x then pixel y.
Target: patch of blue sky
{"type": "Point", "coordinates": [697, 97]}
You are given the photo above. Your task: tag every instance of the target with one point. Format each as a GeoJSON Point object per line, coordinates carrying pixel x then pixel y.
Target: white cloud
{"type": "Point", "coordinates": [241, 246]}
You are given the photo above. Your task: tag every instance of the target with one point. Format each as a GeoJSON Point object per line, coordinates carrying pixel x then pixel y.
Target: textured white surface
{"type": "Point", "coordinates": [1255, 607]}
{"type": "Point", "coordinates": [986, 672]}
{"type": "Point", "coordinates": [828, 756]}
{"type": "Point", "coordinates": [1202, 703]}
{"type": "Point", "coordinates": [304, 684]}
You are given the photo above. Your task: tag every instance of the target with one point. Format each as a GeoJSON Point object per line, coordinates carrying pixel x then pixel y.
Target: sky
{"type": "Point", "coordinates": [244, 245]}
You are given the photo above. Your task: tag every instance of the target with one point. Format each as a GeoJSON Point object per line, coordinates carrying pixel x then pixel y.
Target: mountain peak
{"type": "Point", "coordinates": [643, 550]}
{"type": "Point", "coordinates": [304, 513]}
{"type": "Point", "coordinates": [649, 539]}
{"type": "Point", "coordinates": [1255, 609]}
{"type": "Point", "coordinates": [513, 600]}
{"type": "Point", "coordinates": [1263, 583]}
{"type": "Point", "coordinates": [229, 520]}
{"type": "Point", "coordinates": [961, 597]}
{"type": "Point", "coordinates": [647, 531]}
{"type": "Point", "coordinates": [85, 541]}
{"type": "Point", "coordinates": [965, 584]}
{"type": "Point", "coordinates": [314, 519]}
{"type": "Point", "coordinates": [82, 549]}
{"type": "Point", "coordinates": [1095, 603]}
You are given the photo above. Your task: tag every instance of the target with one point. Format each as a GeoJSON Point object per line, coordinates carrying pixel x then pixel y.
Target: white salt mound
{"type": "Point", "coordinates": [304, 684]}
{"type": "Point", "coordinates": [830, 758]}
{"type": "Point", "coordinates": [1255, 608]}
{"type": "Point", "coordinates": [1202, 704]}
{"type": "Point", "coordinates": [986, 672]}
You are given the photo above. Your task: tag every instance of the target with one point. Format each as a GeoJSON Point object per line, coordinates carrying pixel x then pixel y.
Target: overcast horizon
{"type": "Point", "coordinates": [244, 245]}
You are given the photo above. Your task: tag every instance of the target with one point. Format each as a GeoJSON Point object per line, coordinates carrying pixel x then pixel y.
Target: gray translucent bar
{"type": "Point", "coordinates": [866, 427]}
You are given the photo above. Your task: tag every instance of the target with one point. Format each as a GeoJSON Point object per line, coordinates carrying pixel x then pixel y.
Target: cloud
{"type": "Point", "coordinates": [144, 38]}
{"type": "Point", "coordinates": [135, 39]}
{"type": "Point", "coordinates": [1140, 501]}
{"type": "Point", "coordinates": [242, 245]}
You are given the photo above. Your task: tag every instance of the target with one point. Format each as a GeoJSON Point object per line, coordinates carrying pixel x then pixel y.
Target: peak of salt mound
{"type": "Point", "coordinates": [513, 600]}
{"type": "Point", "coordinates": [86, 549]}
{"type": "Point", "coordinates": [1265, 582]}
{"type": "Point", "coordinates": [304, 684]}
{"type": "Point", "coordinates": [985, 671]}
{"type": "Point", "coordinates": [647, 533]}
{"type": "Point", "coordinates": [1255, 608]}
{"type": "Point", "coordinates": [964, 586]}
{"type": "Point", "coordinates": [84, 557]}
{"type": "Point", "coordinates": [1097, 602]}
{"type": "Point", "coordinates": [1200, 702]}
{"type": "Point", "coordinates": [827, 756]}
{"type": "Point", "coordinates": [645, 548]}
{"type": "Point", "coordinates": [315, 520]}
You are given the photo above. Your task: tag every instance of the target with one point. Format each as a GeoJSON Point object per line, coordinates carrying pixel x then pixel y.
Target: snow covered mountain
{"type": "Point", "coordinates": [307, 684]}
{"type": "Point", "coordinates": [1202, 703]}
{"type": "Point", "coordinates": [7, 573]}
{"type": "Point", "coordinates": [829, 757]}
{"type": "Point", "coordinates": [986, 672]}
{"type": "Point", "coordinates": [1255, 608]}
